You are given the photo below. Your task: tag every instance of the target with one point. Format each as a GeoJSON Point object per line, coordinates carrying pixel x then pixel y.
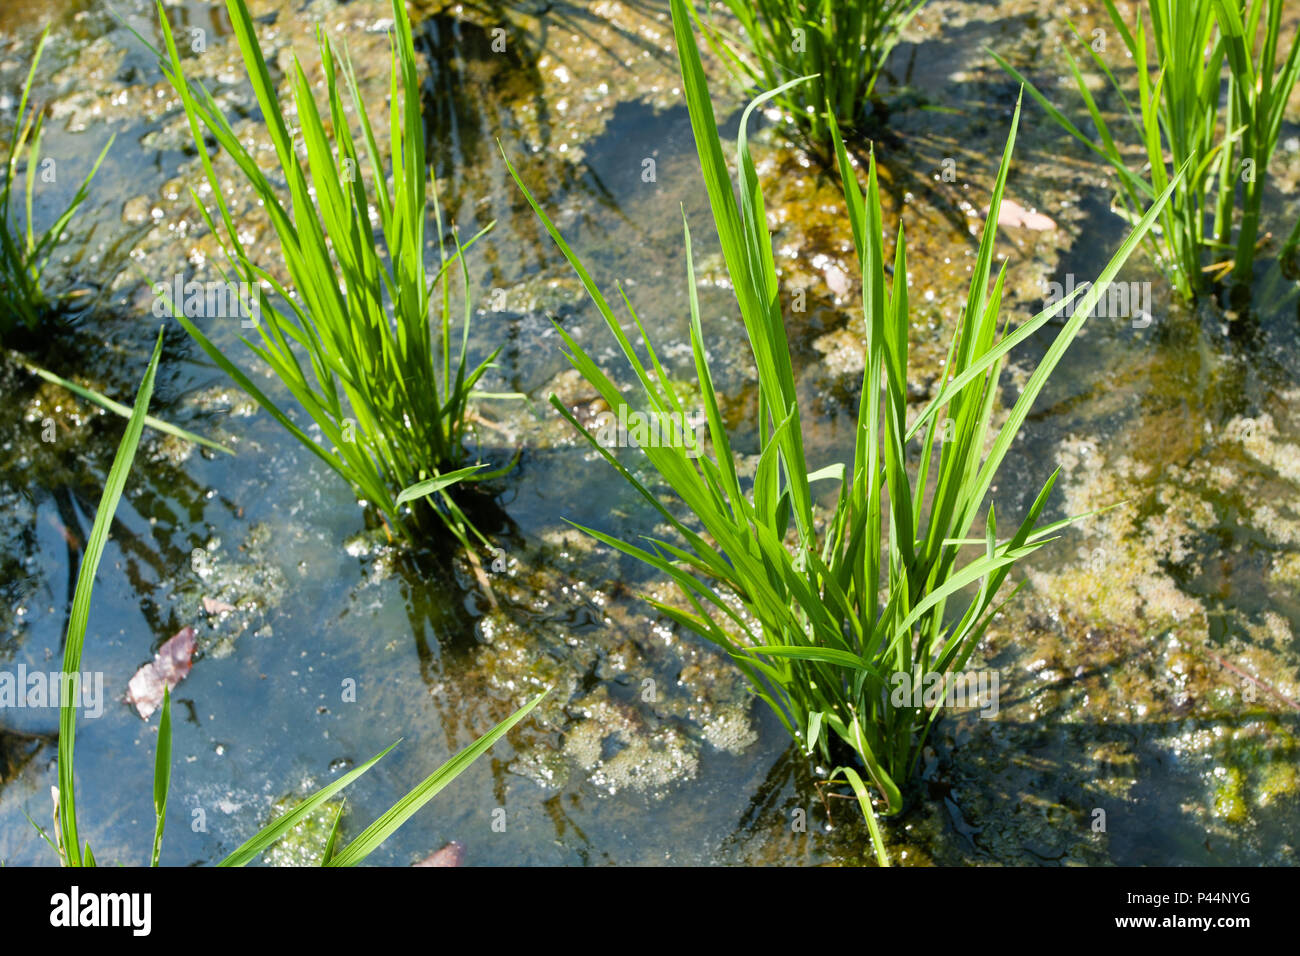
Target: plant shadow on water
{"type": "Point", "coordinates": [57, 452]}
{"type": "Point", "coordinates": [1031, 797]}
{"type": "Point", "coordinates": [62, 448]}
{"type": "Point", "coordinates": [445, 594]}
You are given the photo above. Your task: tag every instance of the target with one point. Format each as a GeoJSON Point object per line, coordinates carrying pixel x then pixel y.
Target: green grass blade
{"type": "Point", "coordinates": [268, 835]}
{"type": "Point", "coordinates": [868, 812]}
{"type": "Point", "coordinates": [162, 773]}
{"type": "Point", "coordinates": [117, 408]}
{"type": "Point", "coordinates": [404, 809]}
{"type": "Point", "coordinates": [75, 639]}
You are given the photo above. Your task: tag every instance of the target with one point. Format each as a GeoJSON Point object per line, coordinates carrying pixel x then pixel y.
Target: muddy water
{"type": "Point", "coordinates": [1148, 670]}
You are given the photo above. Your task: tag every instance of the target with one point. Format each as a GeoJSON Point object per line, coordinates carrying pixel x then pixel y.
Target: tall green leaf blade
{"type": "Point", "coordinates": [75, 639]}
{"type": "Point", "coordinates": [162, 773]}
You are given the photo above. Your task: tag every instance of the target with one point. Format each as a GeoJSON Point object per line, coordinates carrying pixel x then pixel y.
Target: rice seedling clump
{"type": "Point", "coordinates": [856, 622]}
{"type": "Point", "coordinates": [841, 47]}
{"type": "Point", "coordinates": [25, 298]}
{"type": "Point", "coordinates": [388, 380]}
{"type": "Point", "coordinates": [1213, 80]}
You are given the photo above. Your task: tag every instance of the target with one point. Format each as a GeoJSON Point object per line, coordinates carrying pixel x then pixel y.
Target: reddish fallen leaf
{"type": "Point", "coordinates": [1016, 216]}
{"type": "Point", "coordinates": [214, 606]}
{"type": "Point", "coordinates": [450, 855]}
{"type": "Point", "coordinates": [167, 669]}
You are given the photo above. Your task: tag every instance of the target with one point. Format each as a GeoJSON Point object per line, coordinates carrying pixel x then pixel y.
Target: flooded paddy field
{"type": "Point", "coordinates": [1149, 669]}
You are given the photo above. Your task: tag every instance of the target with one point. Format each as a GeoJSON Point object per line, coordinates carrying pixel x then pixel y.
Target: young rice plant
{"type": "Point", "coordinates": [837, 608]}
{"type": "Point", "coordinates": [1183, 119]}
{"type": "Point", "coordinates": [23, 257]}
{"type": "Point", "coordinates": [390, 404]}
{"type": "Point", "coordinates": [841, 45]}
{"type": "Point", "coordinates": [24, 299]}
{"type": "Point", "coordinates": [1259, 87]}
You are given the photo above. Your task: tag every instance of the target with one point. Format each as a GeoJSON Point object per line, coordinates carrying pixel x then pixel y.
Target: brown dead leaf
{"type": "Point", "coordinates": [450, 855]}
{"type": "Point", "coordinates": [214, 606]}
{"type": "Point", "coordinates": [167, 669]}
{"type": "Point", "coordinates": [1015, 216]}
